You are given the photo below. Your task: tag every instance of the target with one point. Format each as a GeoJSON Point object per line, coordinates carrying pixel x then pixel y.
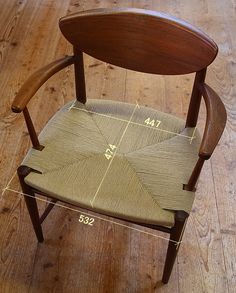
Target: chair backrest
{"type": "Point", "coordinates": [140, 40]}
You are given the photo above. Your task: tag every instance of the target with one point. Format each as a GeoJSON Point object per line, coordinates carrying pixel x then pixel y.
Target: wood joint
{"type": "Point", "coordinates": [190, 186]}
{"type": "Point", "coordinates": [24, 170]}
{"type": "Point", "coordinates": [187, 188]}
{"type": "Point", "coordinates": [181, 216]}
{"type": "Point", "coordinates": [195, 101]}
{"type": "Point", "coordinates": [47, 210]}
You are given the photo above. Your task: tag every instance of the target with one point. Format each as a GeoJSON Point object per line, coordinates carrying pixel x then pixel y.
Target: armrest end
{"type": "Point", "coordinates": [215, 122]}
{"type": "Point", "coordinates": [16, 109]}
{"type": "Point", "coordinates": [204, 155]}
{"type": "Point", "coordinates": [36, 80]}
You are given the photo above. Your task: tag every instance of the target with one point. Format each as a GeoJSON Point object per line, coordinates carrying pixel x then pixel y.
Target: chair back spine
{"type": "Point", "coordinates": [80, 87]}
{"type": "Point", "coordinates": [31, 130]}
{"type": "Point", "coordinates": [195, 100]}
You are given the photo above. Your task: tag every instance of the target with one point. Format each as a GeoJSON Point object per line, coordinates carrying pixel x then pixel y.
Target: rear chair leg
{"type": "Point", "coordinates": [173, 247]}
{"type": "Point", "coordinates": [30, 201]}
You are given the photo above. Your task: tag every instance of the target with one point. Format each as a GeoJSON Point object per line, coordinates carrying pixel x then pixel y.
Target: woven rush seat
{"type": "Point", "coordinates": [123, 160]}
{"type": "Point", "coordinates": [119, 159]}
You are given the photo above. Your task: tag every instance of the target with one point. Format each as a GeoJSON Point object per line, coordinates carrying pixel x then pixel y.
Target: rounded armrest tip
{"type": "Point", "coordinates": [16, 109]}
{"type": "Point", "coordinates": [204, 156]}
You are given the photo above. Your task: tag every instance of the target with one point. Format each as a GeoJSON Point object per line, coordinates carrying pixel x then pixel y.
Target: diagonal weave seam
{"type": "Point", "coordinates": [151, 128]}
{"type": "Point", "coordinates": [100, 134]}
{"type": "Point", "coordinates": [68, 164]}
{"type": "Point", "coordinates": [143, 186]}
{"type": "Point", "coordinates": [52, 124]}
{"type": "Point", "coordinates": [99, 129]}
{"type": "Point", "coordinates": [154, 144]}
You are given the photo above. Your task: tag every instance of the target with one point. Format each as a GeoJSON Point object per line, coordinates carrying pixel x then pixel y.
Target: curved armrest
{"type": "Point", "coordinates": [36, 80]}
{"type": "Point", "coordinates": [215, 122]}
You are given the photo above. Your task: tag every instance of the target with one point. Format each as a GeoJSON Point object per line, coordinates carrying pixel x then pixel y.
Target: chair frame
{"type": "Point", "coordinates": [215, 123]}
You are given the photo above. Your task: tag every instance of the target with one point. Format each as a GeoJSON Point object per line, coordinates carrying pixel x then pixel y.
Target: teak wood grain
{"type": "Point", "coordinates": [80, 87]}
{"type": "Point", "coordinates": [71, 27]}
{"type": "Point", "coordinates": [215, 121]}
{"type": "Point", "coordinates": [208, 249]}
{"type": "Point", "coordinates": [81, 96]}
{"type": "Point", "coordinates": [140, 40]}
{"type": "Point", "coordinates": [196, 98]}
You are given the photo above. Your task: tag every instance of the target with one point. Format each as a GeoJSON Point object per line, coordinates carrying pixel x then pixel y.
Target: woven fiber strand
{"type": "Point", "coordinates": [143, 179]}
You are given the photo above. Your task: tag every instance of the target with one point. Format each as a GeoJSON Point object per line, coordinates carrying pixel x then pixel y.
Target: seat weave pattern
{"type": "Point", "coordinates": [141, 178]}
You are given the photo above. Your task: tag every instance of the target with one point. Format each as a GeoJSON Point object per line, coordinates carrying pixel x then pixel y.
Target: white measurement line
{"type": "Point", "coordinates": [135, 123]}
{"type": "Point", "coordinates": [181, 235]}
{"type": "Point", "coordinates": [192, 137]}
{"type": "Point", "coordinates": [137, 105]}
{"type": "Point", "coordinates": [88, 214]}
{"type": "Point", "coordinates": [8, 184]}
{"type": "Point", "coordinates": [109, 165]}
{"type": "Point", "coordinates": [71, 106]}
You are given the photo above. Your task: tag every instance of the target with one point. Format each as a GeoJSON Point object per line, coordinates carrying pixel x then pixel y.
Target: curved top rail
{"type": "Point", "coordinates": [140, 40]}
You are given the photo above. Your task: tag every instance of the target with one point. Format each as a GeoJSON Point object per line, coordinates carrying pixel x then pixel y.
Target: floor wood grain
{"type": "Point", "coordinates": [107, 257]}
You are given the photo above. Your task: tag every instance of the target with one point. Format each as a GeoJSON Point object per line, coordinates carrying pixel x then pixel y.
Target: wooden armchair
{"type": "Point", "coordinates": [127, 161]}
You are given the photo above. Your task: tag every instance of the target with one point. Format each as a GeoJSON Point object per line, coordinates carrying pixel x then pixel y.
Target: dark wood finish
{"type": "Point", "coordinates": [31, 130]}
{"type": "Point", "coordinates": [215, 122]}
{"type": "Point", "coordinates": [79, 76]}
{"type": "Point", "coordinates": [31, 86]}
{"type": "Point", "coordinates": [195, 101]}
{"type": "Point", "coordinates": [141, 40]}
{"type": "Point", "coordinates": [201, 267]}
{"type": "Point", "coordinates": [155, 227]}
{"type": "Point", "coordinates": [195, 175]}
{"type": "Point", "coordinates": [173, 247]}
{"type": "Point", "coordinates": [30, 201]}
{"type": "Point", "coordinates": [36, 80]}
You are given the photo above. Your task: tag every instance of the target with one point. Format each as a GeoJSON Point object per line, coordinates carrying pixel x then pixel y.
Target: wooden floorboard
{"type": "Point", "coordinates": [107, 257]}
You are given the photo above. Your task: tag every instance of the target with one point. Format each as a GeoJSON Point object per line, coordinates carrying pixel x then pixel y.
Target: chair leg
{"type": "Point", "coordinates": [30, 201]}
{"type": "Point", "coordinates": [173, 247]}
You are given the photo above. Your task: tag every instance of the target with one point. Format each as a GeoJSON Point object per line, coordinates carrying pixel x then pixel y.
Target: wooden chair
{"type": "Point", "coordinates": [127, 161]}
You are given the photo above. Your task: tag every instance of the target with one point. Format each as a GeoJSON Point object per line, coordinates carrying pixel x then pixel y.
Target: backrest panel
{"type": "Point", "coordinates": [139, 40]}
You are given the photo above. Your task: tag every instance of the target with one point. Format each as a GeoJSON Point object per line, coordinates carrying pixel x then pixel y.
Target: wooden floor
{"type": "Point", "coordinates": [107, 257]}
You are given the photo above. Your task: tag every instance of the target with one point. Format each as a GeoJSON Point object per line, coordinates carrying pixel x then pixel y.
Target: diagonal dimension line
{"type": "Point", "coordinates": [72, 106]}
{"type": "Point", "coordinates": [135, 123]}
{"type": "Point", "coordinates": [20, 194]}
{"type": "Point", "coordinates": [118, 145]}
{"type": "Point", "coordinates": [7, 186]}
{"type": "Point", "coordinates": [192, 137]}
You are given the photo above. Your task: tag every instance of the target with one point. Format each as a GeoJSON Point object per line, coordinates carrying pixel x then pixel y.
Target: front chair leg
{"type": "Point", "coordinates": [174, 243]}
{"type": "Point", "coordinates": [30, 201]}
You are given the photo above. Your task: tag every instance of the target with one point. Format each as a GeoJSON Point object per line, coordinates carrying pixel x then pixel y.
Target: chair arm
{"type": "Point", "coordinates": [36, 80]}
{"type": "Point", "coordinates": [215, 121]}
